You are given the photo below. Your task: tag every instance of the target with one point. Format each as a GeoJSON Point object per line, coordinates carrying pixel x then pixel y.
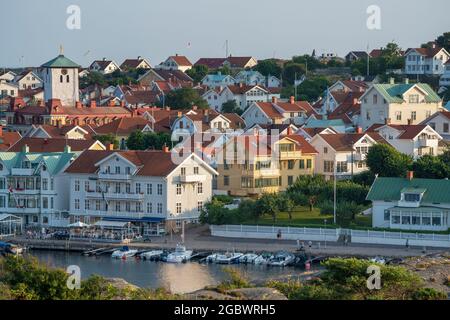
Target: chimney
{"type": "Point", "coordinates": [1, 131]}
{"type": "Point", "coordinates": [167, 108]}
{"type": "Point", "coordinates": [111, 103]}
{"type": "Point", "coordinates": [241, 84]}
{"type": "Point", "coordinates": [391, 80]}
{"type": "Point", "coordinates": [165, 148]}
{"type": "Point", "coordinates": [110, 146]}
{"type": "Point", "coordinates": [410, 122]}
{"type": "Point", "coordinates": [274, 99]}
{"type": "Point", "coordinates": [355, 101]}
{"type": "Point", "coordinates": [26, 148]}
{"type": "Point", "coordinates": [387, 121]}
{"type": "Point", "coordinates": [410, 175]}
{"type": "Point", "coordinates": [359, 130]}
{"type": "Point", "coordinates": [406, 80]}
{"type": "Point", "coordinates": [179, 114]}
{"type": "Point", "coordinates": [194, 108]}
{"type": "Point", "coordinates": [67, 149]}
{"type": "Point", "coordinates": [93, 104]}
{"type": "Point", "coordinates": [206, 115]}
{"type": "Point", "coordinates": [289, 131]}
{"type": "Point", "coordinates": [78, 105]}
{"type": "Point", "coordinates": [291, 99]}
{"type": "Point", "coordinates": [122, 103]}
{"type": "Point", "coordinates": [139, 58]}
{"type": "Point", "coordinates": [16, 103]}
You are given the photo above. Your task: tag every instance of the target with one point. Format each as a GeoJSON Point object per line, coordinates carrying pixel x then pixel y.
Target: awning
{"type": "Point", "coordinates": [5, 216]}
{"type": "Point", "coordinates": [145, 219]}
{"type": "Point", "coordinates": [110, 224]}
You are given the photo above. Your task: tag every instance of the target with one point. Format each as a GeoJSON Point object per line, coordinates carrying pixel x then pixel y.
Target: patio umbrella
{"type": "Point", "coordinates": [78, 224]}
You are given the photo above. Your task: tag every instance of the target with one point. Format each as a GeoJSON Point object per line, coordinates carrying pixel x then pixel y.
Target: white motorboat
{"type": "Point", "coordinates": [179, 255]}
{"type": "Point", "coordinates": [379, 260]}
{"type": "Point", "coordinates": [123, 253]}
{"type": "Point", "coordinates": [211, 258]}
{"type": "Point", "coordinates": [262, 259]}
{"type": "Point", "coordinates": [10, 248]}
{"type": "Point", "coordinates": [248, 258]}
{"type": "Point", "coordinates": [228, 257]}
{"type": "Point", "coordinates": [281, 259]}
{"type": "Point", "coordinates": [149, 255]}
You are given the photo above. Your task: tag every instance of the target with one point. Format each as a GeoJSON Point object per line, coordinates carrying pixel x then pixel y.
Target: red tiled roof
{"type": "Point", "coordinates": [181, 60]}
{"type": "Point", "coordinates": [7, 139]}
{"type": "Point", "coordinates": [238, 62]}
{"type": "Point", "coordinates": [123, 126]}
{"type": "Point", "coordinates": [236, 121]}
{"type": "Point", "coordinates": [269, 110]}
{"type": "Point", "coordinates": [211, 63]}
{"type": "Point", "coordinates": [151, 163]}
{"type": "Point", "coordinates": [302, 144]}
{"type": "Point", "coordinates": [145, 97]}
{"type": "Point", "coordinates": [408, 131]}
{"type": "Point", "coordinates": [131, 63]}
{"type": "Point", "coordinates": [428, 52]}
{"type": "Point", "coordinates": [345, 141]}
{"type": "Point", "coordinates": [102, 63]}
{"type": "Point", "coordinates": [52, 145]}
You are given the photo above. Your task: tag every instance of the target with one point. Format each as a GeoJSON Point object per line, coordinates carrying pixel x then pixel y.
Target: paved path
{"type": "Point", "coordinates": [199, 239]}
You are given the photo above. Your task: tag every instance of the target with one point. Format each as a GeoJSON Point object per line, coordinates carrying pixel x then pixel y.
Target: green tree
{"type": "Point", "coordinates": [312, 63]}
{"type": "Point", "coordinates": [157, 140]}
{"type": "Point", "coordinates": [136, 141]}
{"type": "Point", "coordinates": [268, 67]}
{"type": "Point", "coordinates": [198, 72]}
{"type": "Point", "coordinates": [291, 70]}
{"type": "Point", "coordinates": [231, 107]}
{"type": "Point", "coordinates": [268, 204]}
{"type": "Point", "coordinates": [285, 203]}
{"type": "Point", "coordinates": [107, 139]}
{"type": "Point", "coordinates": [185, 98]}
{"type": "Point", "coordinates": [431, 167]}
{"type": "Point", "coordinates": [384, 160]}
{"type": "Point", "coordinates": [92, 78]}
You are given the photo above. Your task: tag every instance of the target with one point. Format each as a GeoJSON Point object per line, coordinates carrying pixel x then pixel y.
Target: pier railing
{"type": "Point", "coordinates": [321, 234]}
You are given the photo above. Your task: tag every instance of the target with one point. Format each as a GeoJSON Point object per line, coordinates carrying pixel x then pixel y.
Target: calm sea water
{"type": "Point", "coordinates": [178, 278]}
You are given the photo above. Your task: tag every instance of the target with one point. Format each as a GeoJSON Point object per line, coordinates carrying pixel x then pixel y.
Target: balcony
{"type": "Point", "coordinates": [285, 155]}
{"type": "Point", "coordinates": [267, 173]}
{"type": "Point", "coordinates": [114, 177]}
{"type": "Point", "coordinates": [22, 171]}
{"type": "Point", "coordinates": [425, 142]}
{"type": "Point", "coordinates": [192, 178]}
{"type": "Point", "coordinates": [115, 196]}
{"type": "Point", "coordinates": [30, 192]}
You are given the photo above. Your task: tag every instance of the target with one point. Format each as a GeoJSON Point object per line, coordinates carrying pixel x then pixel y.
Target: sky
{"type": "Point", "coordinates": [156, 29]}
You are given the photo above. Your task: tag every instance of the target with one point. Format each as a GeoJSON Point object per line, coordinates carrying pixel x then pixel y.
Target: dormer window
{"type": "Point", "coordinates": [412, 197]}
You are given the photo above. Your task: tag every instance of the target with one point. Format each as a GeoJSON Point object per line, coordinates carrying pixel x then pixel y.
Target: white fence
{"type": "Point", "coordinates": [321, 234]}
{"type": "Point", "coordinates": [272, 232]}
{"type": "Point", "coordinates": [400, 238]}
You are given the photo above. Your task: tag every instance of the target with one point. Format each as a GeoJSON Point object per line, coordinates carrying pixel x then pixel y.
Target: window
{"type": "Point", "coordinates": [226, 180]}
{"type": "Point", "coordinates": [118, 206]}
{"type": "Point", "coordinates": [325, 150]}
{"type": "Point", "coordinates": [44, 203]}
{"type": "Point", "coordinates": [302, 164]}
{"type": "Point", "coordinates": [2, 201]}
{"type": "Point", "coordinates": [77, 204]}
{"type": "Point", "coordinates": [328, 166]}
{"type": "Point", "coordinates": [160, 209]}
{"type": "Point", "coordinates": [138, 207]}
{"type": "Point", "coordinates": [128, 188]}
{"type": "Point", "coordinates": [398, 115]}
{"type": "Point", "coordinates": [308, 163]}
{"type": "Point", "coordinates": [149, 207]}
{"type": "Point", "coordinates": [445, 127]}
{"type": "Point", "coordinates": [178, 206]}
{"type": "Point", "coordinates": [86, 204]}
{"type": "Point", "coordinates": [149, 188]}
{"type": "Point", "coordinates": [413, 115]}
{"type": "Point", "coordinates": [291, 164]}
{"type": "Point", "coordinates": [183, 171]}
{"type": "Point", "coordinates": [128, 170]}
{"type": "Point", "coordinates": [290, 180]}
{"type": "Point", "coordinates": [77, 185]}
{"type": "Point", "coordinates": [195, 170]}
{"type": "Point", "coordinates": [375, 99]}
{"type": "Point", "coordinates": [414, 98]}
{"type": "Point", "coordinates": [117, 170]}
{"type": "Point", "coordinates": [138, 188]}
{"type": "Point", "coordinates": [387, 215]}
{"type": "Point", "coordinates": [67, 78]}
{"type": "Point", "coordinates": [178, 189]}
{"type": "Point", "coordinates": [200, 188]}
{"type": "Point", "coordinates": [127, 207]}
{"type": "Point", "coordinates": [97, 205]}
{"type": "Point", "coordinates": [160, 189]}
{"type": "Point", "coordinates": [412, 197]}
{"type": "Point", "coordinates": [341, 166]}
{"type": "Point", "coordinates": [117, 187]}
{"type": "Point", "coordinates": [199, 206]}
{"type": "Point", "coordinates": [44, 184]}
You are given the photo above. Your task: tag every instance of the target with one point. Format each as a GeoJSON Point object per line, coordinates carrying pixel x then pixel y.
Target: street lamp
{"type": "Point", "coordinates": [325, 232]}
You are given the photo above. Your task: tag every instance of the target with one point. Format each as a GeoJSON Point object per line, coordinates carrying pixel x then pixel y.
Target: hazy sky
{"type": "Point", "coordinates": [158, 28]}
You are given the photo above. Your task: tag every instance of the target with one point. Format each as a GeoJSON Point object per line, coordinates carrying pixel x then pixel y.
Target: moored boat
{"type": "Point", "coordinates": [179, 255]}
{"type": "Point", "coordinates": [123, 253]}
{"type": "Point", "coordinates": [262, 258]}
{"type": "Point", "coordinates": [281, 259]}
{"type": "Point", "coordinates": [248, 258]}
{"type": "Point", "coordinates": [151, 255]}
{"type": "Point", "coordinates": [228, 257]}
{"type": "Point", "coordinates": [9, 248]}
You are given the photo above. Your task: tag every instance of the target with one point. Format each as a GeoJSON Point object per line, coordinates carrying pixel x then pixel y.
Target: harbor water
{"type": "Point", "coordinates": [178, 278]}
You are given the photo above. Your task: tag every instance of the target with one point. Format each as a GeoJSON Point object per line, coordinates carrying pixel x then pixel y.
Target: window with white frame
{"type": "Point", "coordinates": [200, 188]}
{"type": "Point", "coordinates": [178, 206]}
{"type": "Point", "coordinates": [149, 188]}
{"type": "Point", "coordinates": [199, 206]}
{"type": "Point", "coordinates": [178, 189]}
{"type": "Point", "coordinates": [77, 204]}
{"type": "Point", "coordinates": [160, 208]}
{"type": "Point", "coordinates": [160, 189]}
{"type": "Point", "coordinates": [149, 207]}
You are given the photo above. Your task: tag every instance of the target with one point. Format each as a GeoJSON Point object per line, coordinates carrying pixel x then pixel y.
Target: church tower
{"type": "Point", "coordinates": [61, 80]}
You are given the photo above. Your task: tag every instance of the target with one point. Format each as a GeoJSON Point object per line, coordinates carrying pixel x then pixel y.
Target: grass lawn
{"type": "Point", "coordinates": [302, 217]}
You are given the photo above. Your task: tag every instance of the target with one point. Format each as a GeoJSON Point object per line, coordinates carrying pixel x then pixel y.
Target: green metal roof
{"type": "Point", "coordinates": [60, 62]}
{"type": "Point", "coordinates": [54, 162]}
{"type": "Point", "coordinates": [393, 93]}
{"type": "Point", "coordinates": [389, 189]}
